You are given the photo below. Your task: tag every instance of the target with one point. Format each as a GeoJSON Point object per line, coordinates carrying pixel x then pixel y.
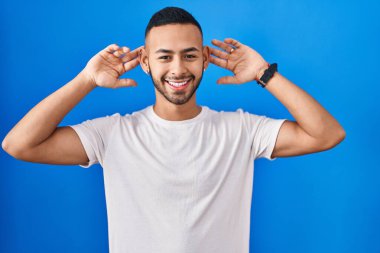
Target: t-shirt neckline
{"type": "Point", "coordinates": [160, 120]}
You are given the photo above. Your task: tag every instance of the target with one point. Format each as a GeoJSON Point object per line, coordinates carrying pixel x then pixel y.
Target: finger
{"type": "Point", "coordinates": [119, 52]}
{"type": "Point", "coordinates": [111, 48]}
{"type": "Point", "coordinates": [222, 45]}
{"type": "Point", "coordinates": [219, 62]}
{"type": "Point", "coordinates": [234, 42]}
{"type": "Point", "coordinates": [125, 82]}
{"type": "Point", "coordinates": [126, 50]}
{"type": "Point", "coordinates": [227, 80]}
{"type": "Point", "coordinates": [140, 47]}
{"type": "Point", "coordinates": [131, 55]}
{"type": "Point", "coordinates": [219, 53]}
{"type": "Point", "coordinates": [131, 64]}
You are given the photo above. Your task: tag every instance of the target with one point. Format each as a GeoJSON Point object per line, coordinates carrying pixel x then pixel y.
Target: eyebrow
{"type": "Point", "coordinates": [167, 51]}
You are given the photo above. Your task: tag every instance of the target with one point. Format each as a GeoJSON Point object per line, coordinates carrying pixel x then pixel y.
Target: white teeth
{"type": "Point", "coordinates": [177, 84]}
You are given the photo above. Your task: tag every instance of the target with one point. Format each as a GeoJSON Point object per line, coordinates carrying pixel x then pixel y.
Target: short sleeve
{"type": "Point", "coordinates": [94, 135]}
{"type": "Point", "coordinates": [263, 132]}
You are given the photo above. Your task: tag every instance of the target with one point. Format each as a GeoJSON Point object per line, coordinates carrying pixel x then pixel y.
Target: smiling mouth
{"type": "Point", "coordinates": [178, 85]}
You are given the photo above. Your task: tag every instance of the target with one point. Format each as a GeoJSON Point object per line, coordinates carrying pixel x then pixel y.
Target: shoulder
{"type": "Point", "coordinates": [237, 115]}
{"type": "Point", "coordinates": [129, 117]}
{"type": "Point", "coordinates": [235, 120]}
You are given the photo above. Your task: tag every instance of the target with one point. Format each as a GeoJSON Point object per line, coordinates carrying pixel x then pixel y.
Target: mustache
{"type": "Point", "coordinates": [178, 78]}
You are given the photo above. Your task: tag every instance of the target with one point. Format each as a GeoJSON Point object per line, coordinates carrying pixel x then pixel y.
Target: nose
{"type": "Point", "coordinates": [178, 67]}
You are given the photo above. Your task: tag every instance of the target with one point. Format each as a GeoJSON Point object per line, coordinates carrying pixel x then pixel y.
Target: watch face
{"type": "Point", "coordinates": [264, 79]}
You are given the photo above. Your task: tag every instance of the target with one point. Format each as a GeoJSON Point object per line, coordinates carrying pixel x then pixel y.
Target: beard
{"type": "Point", "coordinates": [176, 97]}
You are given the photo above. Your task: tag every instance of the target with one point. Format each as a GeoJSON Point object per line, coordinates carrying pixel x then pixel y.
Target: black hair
{"type": "Point", "coordinates": [171, 15]}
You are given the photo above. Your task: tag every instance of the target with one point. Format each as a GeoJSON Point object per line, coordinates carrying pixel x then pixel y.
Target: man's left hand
{"type": "Point", "coordinates": [246, 64]}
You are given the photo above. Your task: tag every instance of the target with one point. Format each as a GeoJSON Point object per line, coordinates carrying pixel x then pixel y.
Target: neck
{"type": "Point", "coordinates": [173, 112]}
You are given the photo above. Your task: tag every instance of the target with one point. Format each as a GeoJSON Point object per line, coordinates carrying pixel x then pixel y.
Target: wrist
{"type": "Point", "coordinates": [87, 80]}
{"type": "Point", "coordinates": [261, 71]}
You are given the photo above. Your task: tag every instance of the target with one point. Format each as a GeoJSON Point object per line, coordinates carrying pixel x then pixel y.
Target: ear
{"type": "Point", "coordinates": [206, 56]}
{"type": "Point", "coordinates": [144, 61]}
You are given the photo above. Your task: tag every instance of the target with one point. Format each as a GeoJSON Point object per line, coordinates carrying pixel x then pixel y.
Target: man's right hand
{"type": "Point", "coordinates": [106, 67]}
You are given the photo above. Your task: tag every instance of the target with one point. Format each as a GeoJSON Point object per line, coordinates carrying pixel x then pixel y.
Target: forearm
{"type": "Point", "coordinates": [42, 120]}
{"type": "Point", "coordinates": [308, 113]}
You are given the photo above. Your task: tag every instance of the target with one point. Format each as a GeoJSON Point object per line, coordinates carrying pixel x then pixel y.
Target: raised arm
{"type": "Point", "coordinates": [314, 130]}
{"type": "Point", "coordinates": [37, 137]}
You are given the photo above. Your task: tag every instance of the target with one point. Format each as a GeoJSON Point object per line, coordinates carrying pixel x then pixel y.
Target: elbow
{"type": "Point", "coordinates": [11, 149]}
{"type": "Point", "coordinates": [335, 139]}
{"type": "Point", "coordinates": [18, 149]}
{"type": "Point", "coordinates": [5, 145]}
{"type": "Point", "coordinates": [342, 135]}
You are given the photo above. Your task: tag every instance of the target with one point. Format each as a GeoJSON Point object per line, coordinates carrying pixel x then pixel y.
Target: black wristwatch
{"type": "Point", "coordinates": [268, 74]}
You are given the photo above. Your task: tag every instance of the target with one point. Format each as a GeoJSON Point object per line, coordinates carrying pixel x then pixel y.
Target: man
{"type": "Point", "coordinates": [178, 176]}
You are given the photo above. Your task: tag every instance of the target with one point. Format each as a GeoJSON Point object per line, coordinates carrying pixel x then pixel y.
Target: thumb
{"type": "Point", "coordinates": [125, 82]}
{"type": "Point", "coordinates": [227, 79]}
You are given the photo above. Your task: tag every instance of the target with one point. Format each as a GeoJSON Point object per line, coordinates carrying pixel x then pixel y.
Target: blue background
{"type": "Point", "coordinates": [324, 202]}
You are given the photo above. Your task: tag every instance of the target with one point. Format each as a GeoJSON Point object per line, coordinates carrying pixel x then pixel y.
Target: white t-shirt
{"type": "Point", "coordinates": [178, 186]}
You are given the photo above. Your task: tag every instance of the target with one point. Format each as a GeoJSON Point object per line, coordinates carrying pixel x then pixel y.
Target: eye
{"type": "Point", "coordinates": [164, 57]}
{"type": "Point", "coordinates": [189, 56]}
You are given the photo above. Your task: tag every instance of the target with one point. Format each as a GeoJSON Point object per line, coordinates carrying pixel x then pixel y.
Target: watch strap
{"type": "Point", "coordinates": [268, 74]}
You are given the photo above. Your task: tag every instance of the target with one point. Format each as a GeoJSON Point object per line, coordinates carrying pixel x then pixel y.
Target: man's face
{"type": "Point", "coordinates": [175, 58]}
